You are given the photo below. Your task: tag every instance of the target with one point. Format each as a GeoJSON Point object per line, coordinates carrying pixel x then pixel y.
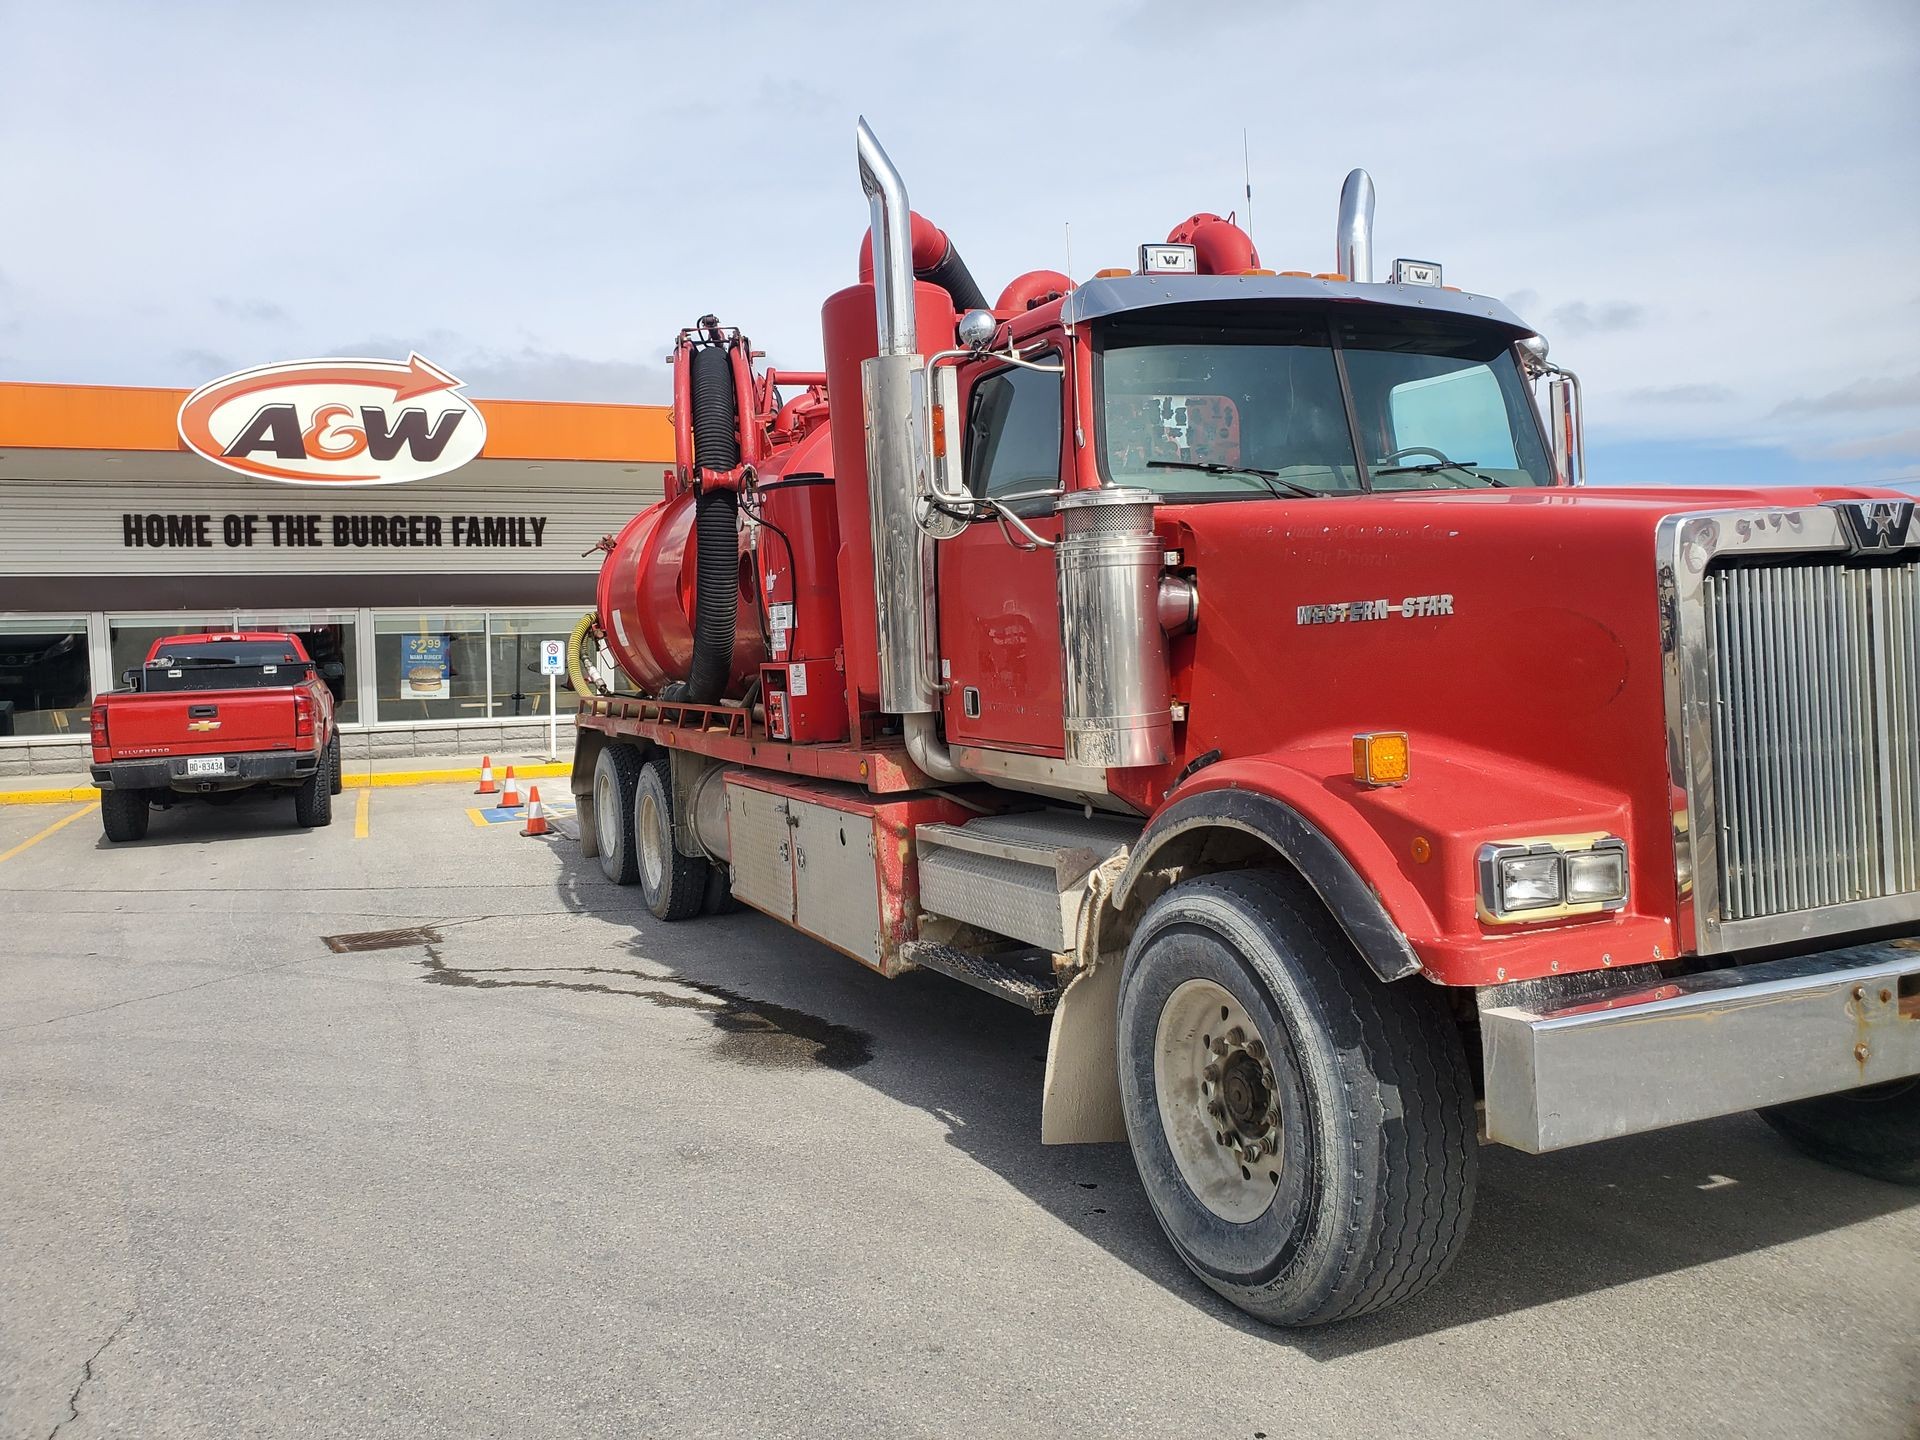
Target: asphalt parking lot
{"type": "Point", "coordinates": [551, 1167]}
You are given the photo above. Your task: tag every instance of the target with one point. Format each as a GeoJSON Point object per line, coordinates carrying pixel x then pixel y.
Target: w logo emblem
{"type": "Point", "coordinates": [1875, 527]}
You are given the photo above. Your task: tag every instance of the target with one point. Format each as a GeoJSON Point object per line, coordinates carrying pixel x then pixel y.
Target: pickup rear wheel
{"type": "Point", "coordinates": [1305, 1134]}
{"type": "Point", "coordinates": [337, 781]}
{"type": "Point", "coordinates": [675, 885]}
{"type": "Point", "coordinates": [313, 796]}
{"type": "Point", "coordinates": [124, 814]}
{"type": "Point", "coordinates": [1875, 1131]}
{"type": "Point", "coordinates": [616, 775]}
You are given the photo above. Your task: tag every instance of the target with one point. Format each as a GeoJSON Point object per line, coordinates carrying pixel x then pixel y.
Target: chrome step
{"type": "Point", "coordinates": [1022, 876]}
{"type": "Point", "coordinates": [998, 975]}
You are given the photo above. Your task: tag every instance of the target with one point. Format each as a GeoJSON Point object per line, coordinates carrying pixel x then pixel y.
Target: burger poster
{"type": "Point", "coordinates": [425, 665]}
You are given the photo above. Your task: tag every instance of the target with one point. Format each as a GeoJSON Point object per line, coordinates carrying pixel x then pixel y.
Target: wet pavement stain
{"type": "Point", "coordinates": [752, 1032]}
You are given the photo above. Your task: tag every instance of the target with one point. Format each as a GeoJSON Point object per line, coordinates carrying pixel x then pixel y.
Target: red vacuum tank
{"type": "Point", "coordinates": [645, 598]}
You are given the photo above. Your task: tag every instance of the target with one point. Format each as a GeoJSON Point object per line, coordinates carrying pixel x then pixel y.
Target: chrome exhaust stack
{"type": "Point", "coordinates": [894, 386]}
{"type": "Point", "coordinates": [1353, 239]}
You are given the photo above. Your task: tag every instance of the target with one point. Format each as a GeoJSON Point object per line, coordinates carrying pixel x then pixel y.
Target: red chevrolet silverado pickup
{"type": "Point", "coordinates": [209, 715]}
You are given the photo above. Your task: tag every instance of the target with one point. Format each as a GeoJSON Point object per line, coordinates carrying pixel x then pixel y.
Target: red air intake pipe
{"type": "Point", "coordinates": [934, 261]}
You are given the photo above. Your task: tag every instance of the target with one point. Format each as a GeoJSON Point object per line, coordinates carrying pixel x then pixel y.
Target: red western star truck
{"type": "Point", "coordinates": [1231, 664]}
{"type": "Point", "coordinates": [209, 715]}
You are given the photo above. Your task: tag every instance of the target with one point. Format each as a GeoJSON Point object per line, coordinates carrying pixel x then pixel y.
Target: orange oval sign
{"type": "Point", "coordinates": [335, 422]}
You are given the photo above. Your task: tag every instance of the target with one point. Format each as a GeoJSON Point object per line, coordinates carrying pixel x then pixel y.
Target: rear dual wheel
{"type": "Point", "coordinates": [1305, 1133]}
{"type": "Point", "coordinates": [633, 821]}
{"type": "Point", "coordinates": [674, 886]}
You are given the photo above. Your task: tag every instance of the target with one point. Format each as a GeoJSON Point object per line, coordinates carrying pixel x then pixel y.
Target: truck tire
{"type": "Point", "coordinates": [1874, 1131]}
{"type": "Point", "coordinates": [124, 814]}
{"type": "Point", "coordinates": [338, 782]}
{"type": "Point", "coordinates": [313, 796]}
{"type": "Point", "coordinates": [1305, 1134]}
{"type": "Point", "coordinates": [673, 885]}
{"type": "Point", "coordinates": [719, 899]}
{"type": "Point", "coordinates": [616, 776]}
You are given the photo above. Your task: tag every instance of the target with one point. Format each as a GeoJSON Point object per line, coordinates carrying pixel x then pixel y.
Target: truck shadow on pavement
{"type": "Point", "coordinates": [1545, 1229]}
{"type": "Point", "coordinates": [262, 815]}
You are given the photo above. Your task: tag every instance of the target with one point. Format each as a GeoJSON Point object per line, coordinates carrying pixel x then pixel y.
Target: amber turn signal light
{"type": "Point", "coordinates": [1381, 758]}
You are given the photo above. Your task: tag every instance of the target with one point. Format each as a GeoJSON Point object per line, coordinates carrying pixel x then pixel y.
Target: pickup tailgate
{"type": "Point", "coordinates": [199, 722]}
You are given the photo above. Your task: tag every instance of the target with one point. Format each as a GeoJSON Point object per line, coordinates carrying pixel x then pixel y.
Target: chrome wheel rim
{"type": "Point", "coordinates": [606, 813]}
{"type": "Point", "coordinates": [653, 857]}
{"type": "Point", "coordinates": [1219, 1108]}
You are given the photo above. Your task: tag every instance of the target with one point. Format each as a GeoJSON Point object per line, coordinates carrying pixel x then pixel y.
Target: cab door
{"type": "Point", "coordinates": [999, 608]}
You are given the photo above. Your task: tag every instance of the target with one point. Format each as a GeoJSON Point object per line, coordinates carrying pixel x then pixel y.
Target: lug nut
{"type": "Point", "coordinates": [1236, 1035]}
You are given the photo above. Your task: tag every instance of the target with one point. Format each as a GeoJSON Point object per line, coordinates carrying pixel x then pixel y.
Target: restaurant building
{"type": "Point", "coordinates": [423, 597]}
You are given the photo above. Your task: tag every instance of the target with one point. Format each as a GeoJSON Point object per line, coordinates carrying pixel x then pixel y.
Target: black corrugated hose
{"type": "Point", "coordinates": [716, 446]}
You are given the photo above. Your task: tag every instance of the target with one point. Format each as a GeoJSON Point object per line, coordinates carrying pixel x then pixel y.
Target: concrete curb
{"type": "Point", "coordinates": [378, 779]}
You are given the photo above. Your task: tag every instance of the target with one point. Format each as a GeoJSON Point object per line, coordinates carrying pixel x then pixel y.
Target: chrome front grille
{"type": "Point", "coordinates": [1813, 678]}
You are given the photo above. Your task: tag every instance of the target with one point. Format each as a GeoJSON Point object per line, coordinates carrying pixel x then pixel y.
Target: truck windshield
{"type": "Point", "coordinates": [1197, 402]}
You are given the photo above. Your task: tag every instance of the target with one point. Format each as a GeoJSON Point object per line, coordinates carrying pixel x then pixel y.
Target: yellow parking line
{"type": "Point", "coordinates": [360, 815]}
{"type": "Point", "coordinates": [477, 817]}
{"type": "Point", "coordinates": [60, 824]}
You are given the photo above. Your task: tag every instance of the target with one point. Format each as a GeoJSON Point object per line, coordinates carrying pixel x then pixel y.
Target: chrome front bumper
{"type": "Point", "coordinates": [1649, 1056]}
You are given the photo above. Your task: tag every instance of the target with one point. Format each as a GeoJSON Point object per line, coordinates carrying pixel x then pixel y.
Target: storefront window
{"type": "Point", "coordinates": [129, 638]}
{"type": "Point", "coordinates": [44, 685]}
{"type": "Point", "coordinates": [329, 639]}
{"type": "Point", "coordinates": [519, 689]}
{"type": "Point", "coordinates": [430, 667]}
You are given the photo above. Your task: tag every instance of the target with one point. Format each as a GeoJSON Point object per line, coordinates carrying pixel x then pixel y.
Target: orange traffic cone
{"type": "Point", "coordinates": [487, 787]}
{"type": "Point", "coordinates": [510, 797]}
{"type": "Point", "coordinates": [536, 813]}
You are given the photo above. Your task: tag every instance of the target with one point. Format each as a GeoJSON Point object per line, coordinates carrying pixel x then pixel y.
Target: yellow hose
{"type": "Point", "coordinates": [577, 642]}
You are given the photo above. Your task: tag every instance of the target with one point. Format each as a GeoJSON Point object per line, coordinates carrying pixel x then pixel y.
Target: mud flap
{"type": "Point", "coordinates": [1080, 1100]}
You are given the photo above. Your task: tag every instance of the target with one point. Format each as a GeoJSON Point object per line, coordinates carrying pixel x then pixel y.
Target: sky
{"type": "Point", "coordinates": [1711, 211]}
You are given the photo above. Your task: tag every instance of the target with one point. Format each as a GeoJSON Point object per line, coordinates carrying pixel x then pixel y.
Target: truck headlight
{"type": "Point", "coordinates": [1552, 877]}
{"type": "Point", "coordinates": [1597, 876]}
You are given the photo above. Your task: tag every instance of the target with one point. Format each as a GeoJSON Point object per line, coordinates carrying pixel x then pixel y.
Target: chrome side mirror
{"type": "Point", "coordinates": [1533, 356]}
{"type": "Point", "coordinates": [948, 503]}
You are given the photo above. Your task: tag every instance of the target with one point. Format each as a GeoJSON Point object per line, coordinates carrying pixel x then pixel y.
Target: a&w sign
{"type": "Point", "coordinates": [335, 422]}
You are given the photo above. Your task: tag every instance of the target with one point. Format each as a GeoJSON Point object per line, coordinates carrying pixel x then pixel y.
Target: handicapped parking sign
{"type": "Point", "coordinates": [553, 657]}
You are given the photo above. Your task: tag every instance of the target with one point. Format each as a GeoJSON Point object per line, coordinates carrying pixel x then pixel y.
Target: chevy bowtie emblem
{"type": "Point", "coordinates": [203, 725]}
{"type": "Point", "coordinates": [1875, 527]}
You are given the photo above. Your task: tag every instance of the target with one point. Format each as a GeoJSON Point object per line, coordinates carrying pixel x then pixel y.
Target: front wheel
{"type": "Point", "coordinates": [337, 779]}
{"type": "Point", "coordinates": [1875, 1131]}
{"type": "Point", "coordinates": [1305, 1133]}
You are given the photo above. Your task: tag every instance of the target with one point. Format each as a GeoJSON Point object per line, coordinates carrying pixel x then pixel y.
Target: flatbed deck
{"type": "Point", "coordinates": [732, 733]}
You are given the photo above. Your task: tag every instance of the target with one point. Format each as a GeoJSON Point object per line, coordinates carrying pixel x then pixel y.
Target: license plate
{"type": "Point", "coordinates": [216, 765]}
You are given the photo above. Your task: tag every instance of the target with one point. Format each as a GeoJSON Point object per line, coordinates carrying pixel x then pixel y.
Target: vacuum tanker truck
{"type": "Point", "coordinates": [1231, 665]}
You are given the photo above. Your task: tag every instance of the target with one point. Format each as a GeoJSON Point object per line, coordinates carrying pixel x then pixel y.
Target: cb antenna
{"type": "Point", "coordinates": [1246, 172]}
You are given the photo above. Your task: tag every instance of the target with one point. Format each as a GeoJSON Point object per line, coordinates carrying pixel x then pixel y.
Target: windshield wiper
{"type": "Point", "coordinates": [1270, 478]}
{"type": "Point", "coordinates": [1434, 467]}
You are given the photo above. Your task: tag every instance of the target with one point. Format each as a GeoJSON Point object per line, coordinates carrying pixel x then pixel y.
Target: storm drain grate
{"type": "Point", "coordinates": [381, 939]}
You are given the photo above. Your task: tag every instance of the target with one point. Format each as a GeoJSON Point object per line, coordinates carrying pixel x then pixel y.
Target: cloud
{"type": "Point", "coordinates": [263, 312]}
{"type": "Point", "coordinates": [206, 364]}
{"type": "Point", "coordinates": [1900, 445]}
{"type": "Point", "coordinates": [1869, 393]}
{"type": "Point", "coordinates": [1681, 395]}
{"type": "Point", "coordinates": [529, 372]}
{"type": "Point", "coordinates": [1577, 318]}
